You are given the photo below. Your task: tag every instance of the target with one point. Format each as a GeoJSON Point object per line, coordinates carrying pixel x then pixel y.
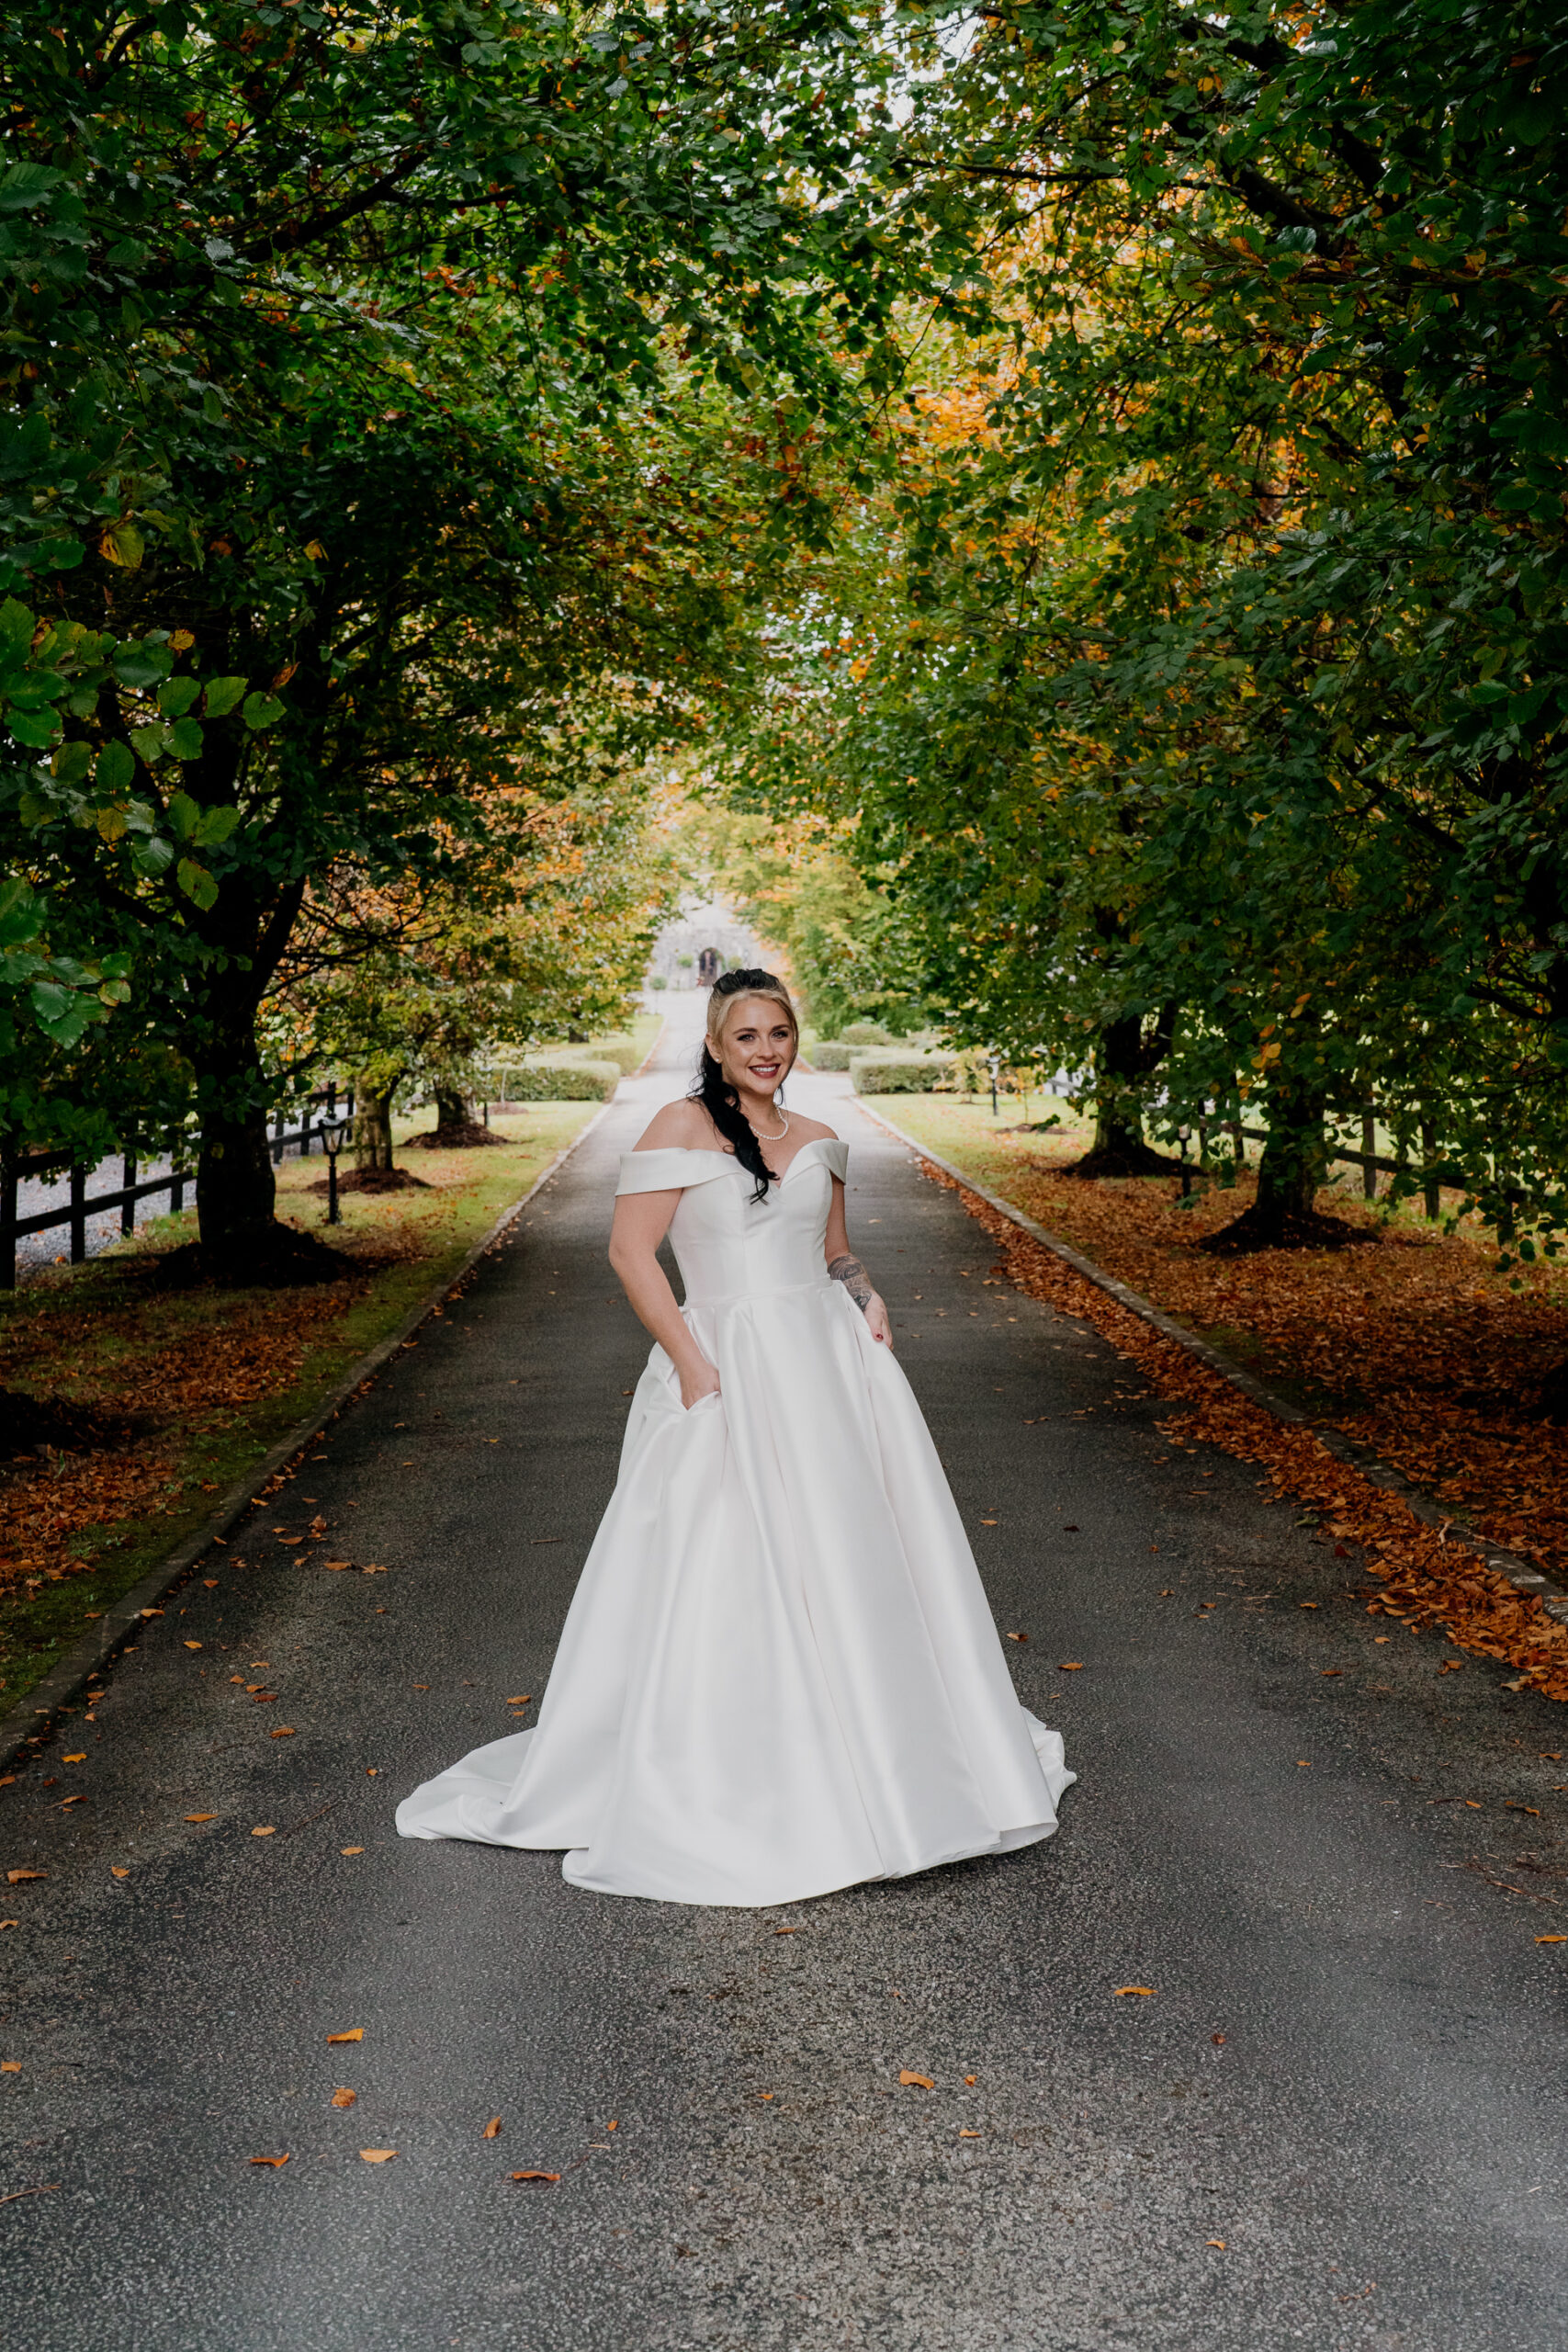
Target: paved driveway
{"type": "Point", "coordinates": [1337, 2119]}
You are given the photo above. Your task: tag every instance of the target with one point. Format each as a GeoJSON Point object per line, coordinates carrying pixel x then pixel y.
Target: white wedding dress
{"type": "Point", "coordinates": [779, 1674]}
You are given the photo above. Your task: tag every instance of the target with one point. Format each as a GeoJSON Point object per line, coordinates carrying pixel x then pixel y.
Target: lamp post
{"type": "Point", "coordinates": [335, 1134]}
{"type": "Point", "coordinates": [1183, 1136]}
{"type": "Point", "coordinates": [995, 1113]}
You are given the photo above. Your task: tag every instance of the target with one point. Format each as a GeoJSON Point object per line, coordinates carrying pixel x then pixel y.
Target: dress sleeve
{"type": "Point", "coordinates": [837, 1154]}
{"type": "Point", "coordinates": [669, 1171]}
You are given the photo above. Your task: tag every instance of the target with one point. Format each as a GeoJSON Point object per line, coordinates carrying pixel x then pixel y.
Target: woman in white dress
{"type": "Point", "coordinates": [779, 1674]}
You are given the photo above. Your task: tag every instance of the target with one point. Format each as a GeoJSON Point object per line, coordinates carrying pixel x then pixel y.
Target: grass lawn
{"type": "Point", "coordinates": [173, 1394]}
{"type": "Point", "coordinates": [1413, 1345]}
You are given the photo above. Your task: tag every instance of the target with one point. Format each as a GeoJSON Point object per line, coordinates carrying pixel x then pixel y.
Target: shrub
{"type": "Point", "coordinates": [893, 1073]}
{"type": "Point", "coordinates": [659, 981]}
{"type": "Point", "coordinates": [866, 1032]}
{"type": "Point", "coordinates": [563, 1082]}
{"type": "Point", "coordinates": [829, 1056]}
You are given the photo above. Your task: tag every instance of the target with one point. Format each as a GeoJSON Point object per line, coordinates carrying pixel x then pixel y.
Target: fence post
{"type": "Point", "coordinates": [1368, 1145]}
{"type": "Point", "coordinates": [7, 1221]}
{"type": "Point", "coordinates": [177, 1185]}
{"type": "Point", "coordinates": [1429, 1153]}
{"type": "Point", "coordinates": [278, 1137]}
{"type": "Point", "coordinates": [127, 1208]}
{"type": "Point", "coordinates": [78, 1213]}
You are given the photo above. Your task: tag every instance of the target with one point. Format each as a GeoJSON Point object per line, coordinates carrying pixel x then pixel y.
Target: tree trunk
{"type": "Point", "coordinates": [236, 1188]}
{"type": "Point", "coordinates": [373, 1128]}
{"type": "Point", "coordinates": [1294, 1160]}
{"type": "Point", "coordinates": [1293, 1156]}
{"type": "Point", "coordinates": [454, 1111]}
{"type": "Point", "coordinates": [1122, 1058]}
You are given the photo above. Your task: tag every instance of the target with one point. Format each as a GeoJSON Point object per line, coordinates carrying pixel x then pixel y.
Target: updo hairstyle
{"type": "Point", "coordinates": [713, 1089]}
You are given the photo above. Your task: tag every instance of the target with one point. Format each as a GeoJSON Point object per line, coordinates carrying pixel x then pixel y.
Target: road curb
{"type": "Point", "coordinates": [1378, 1473]}
{"type": "Point", "coordinates": [29, 1721]}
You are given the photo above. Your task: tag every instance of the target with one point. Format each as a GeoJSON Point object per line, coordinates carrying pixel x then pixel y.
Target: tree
{"type": "Point", "coordinates": [381, 371]}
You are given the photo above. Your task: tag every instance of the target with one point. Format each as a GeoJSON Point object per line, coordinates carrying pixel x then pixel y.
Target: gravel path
{"type": "Point", "coordinates": [1336, 2121]}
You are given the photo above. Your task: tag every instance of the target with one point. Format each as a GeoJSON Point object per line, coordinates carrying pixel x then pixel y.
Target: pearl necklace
{"type": "Point", "coordinates": [783, 1131]}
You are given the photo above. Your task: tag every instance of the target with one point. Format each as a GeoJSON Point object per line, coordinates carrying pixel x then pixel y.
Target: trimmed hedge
{"type": "Point", "coordinates": [563, 1082]}
{"type": "Point", "coordinates": [829, 1056]}
{"type": "Point", "coordinates": [866, 1033]}
{"type": "Point", "coordinates": [893, 1073]}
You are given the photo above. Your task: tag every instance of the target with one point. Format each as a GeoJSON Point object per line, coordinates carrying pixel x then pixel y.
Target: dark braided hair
{"type": "Point", "coordinates": [713, 1089]}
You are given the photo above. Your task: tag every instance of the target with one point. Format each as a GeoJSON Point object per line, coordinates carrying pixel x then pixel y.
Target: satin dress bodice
{"type": "Point", "coordinates": [728, 1245]}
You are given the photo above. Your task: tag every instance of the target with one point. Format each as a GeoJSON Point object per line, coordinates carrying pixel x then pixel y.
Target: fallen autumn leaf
{"type": "Point", "coordinates": [378, 2155]}
{"type": "Point", "coordinates": [535, 2176]}
{"type": "Point", "coordinates": [354, 2033]}
{"type": "Point", "coordinates": [343, 2098]}
{"type": "Point", "coordinates": [491, 2129]}
{"type": "Point", "coordinates": [923, 2081]}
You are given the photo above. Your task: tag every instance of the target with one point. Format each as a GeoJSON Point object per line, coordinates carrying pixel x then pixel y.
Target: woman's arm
{"type": "Point", "coordinates": [847, 1269]}
{"type": "Point", "coordinates": [641, 1222]}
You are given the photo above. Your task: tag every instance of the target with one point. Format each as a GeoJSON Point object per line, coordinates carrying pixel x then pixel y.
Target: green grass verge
{"type": "Point", "coordinates": [82, 1333]}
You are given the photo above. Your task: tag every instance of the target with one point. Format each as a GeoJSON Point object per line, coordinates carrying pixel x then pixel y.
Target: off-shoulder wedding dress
{"type": "Point", "coordinates": [779, 1674]}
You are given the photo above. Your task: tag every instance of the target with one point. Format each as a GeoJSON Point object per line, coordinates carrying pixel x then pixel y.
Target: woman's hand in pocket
{"type": "Point", "coordinates": [699, 1379]}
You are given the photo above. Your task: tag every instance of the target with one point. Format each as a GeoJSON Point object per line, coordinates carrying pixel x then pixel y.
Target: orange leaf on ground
{"type": "Point", "coordinates": [117, 1872]}
{"type": "Point", "coordinates": [276, 2162]}
{"type": "Point", "coordinates": [535, 2176]}
{"type": "Point", "coordinates": [378, 2155]}
{"type": "Point", "coordinates": [268, 1832]}
{"type": "Point", "coordinates": [201, 1816]}
{"type": "Point", "coordinates": [15, 1878]}
{"type": "Point", "coordinates": [80, 1759]}
{"type": "Point", "coordinates": [193, 1645]}
{"type": "Point", "coordinates": [283, 1731]}
{"type": "Point", "coordinates": [354, 2033]}
{"type": "Point", "coordinates": [491, 2128]}
{"type": "Point", "coordinates": [1070, 1665]}
{"type": "Point", "coordinates": [1122, 1990]}
{"type": "Point", "coordinates": [351, 1850]}
{"type": "Point", "coordinates": [968, 2135]}
{"type": "Point", "coordinates": [1215, 2241]}
{"type": "Point", "coordinates": [923, 2082]}
{"type": "Point", "coordinates": [1018, 1637]}
{"type": "Point", "coordinates": [970, 2080]}
{"type": "Point", "coordinates": [343, 2098]}
{"type": "Point", "coordinates": [10, 2065]}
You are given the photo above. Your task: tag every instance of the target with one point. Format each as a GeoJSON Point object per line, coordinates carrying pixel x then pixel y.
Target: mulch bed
{"type": "Point", "coordinates": [1436, 1365]}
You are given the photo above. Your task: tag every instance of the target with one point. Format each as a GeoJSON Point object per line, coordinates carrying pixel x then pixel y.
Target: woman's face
{"type": "Point", "coordinates": [758, 1044]}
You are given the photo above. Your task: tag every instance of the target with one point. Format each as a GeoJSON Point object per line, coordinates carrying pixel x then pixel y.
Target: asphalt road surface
{"type": "Point", "coordinates": [1337, 2119]}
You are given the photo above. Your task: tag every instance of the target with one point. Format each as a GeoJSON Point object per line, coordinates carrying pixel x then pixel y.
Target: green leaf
{"type": "Point", "coordinates": [263, 710]}
{"type": "Point", "coordinates": [186, 738]}
{"type": "Point", "coordinates": [196, 884]}
{"type": "Point", "coordinates": [153, 857]}
{"type": "Point", "coordinates": [178, 697]}
{"type": "Point", "coordinates": [216, 826]}
{"type": "Point", "coordinates": [223, 695]}
{"type": "Point", "coordinates": [150, 743]}
{"type": "Point", "coordinates": [123, 544]}
{"type": "Point", "coordinates": [185, 815]}
{"type": "Point", "coordinates": [116, 767]}
{"type": "Point", "coordinates": [21, 912]}
{"type": "Point", "coordinates": [16, 631]}
{"type": "Point", "coordinates": [71, 763]}
{"type": "Point", "coordinates": [27, 183]}
{"type": "Point", "coordinates": [37, 728]}
{"type": "Point", "coordinates": [142, 665]}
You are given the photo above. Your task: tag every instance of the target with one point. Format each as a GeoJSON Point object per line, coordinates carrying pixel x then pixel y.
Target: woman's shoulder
{"type": "Point", "coordinates": [811, 1130]}
{"type": "Point", "coordinates": [678, 1126]}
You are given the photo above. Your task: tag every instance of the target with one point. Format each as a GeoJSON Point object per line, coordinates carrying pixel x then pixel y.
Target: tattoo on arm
{"type": "Point", "coordinates": [856, 1281]}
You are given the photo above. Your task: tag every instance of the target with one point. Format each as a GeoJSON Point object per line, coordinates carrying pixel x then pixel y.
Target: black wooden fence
{"type": "Point", "coordinates": [1371, 1162]}
{"type": "Point", "coordinates": [319, 1110]}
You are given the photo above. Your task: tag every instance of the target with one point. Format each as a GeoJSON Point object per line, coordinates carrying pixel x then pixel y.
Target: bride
{"type": "Point", "coordinates": [779, 1674]}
